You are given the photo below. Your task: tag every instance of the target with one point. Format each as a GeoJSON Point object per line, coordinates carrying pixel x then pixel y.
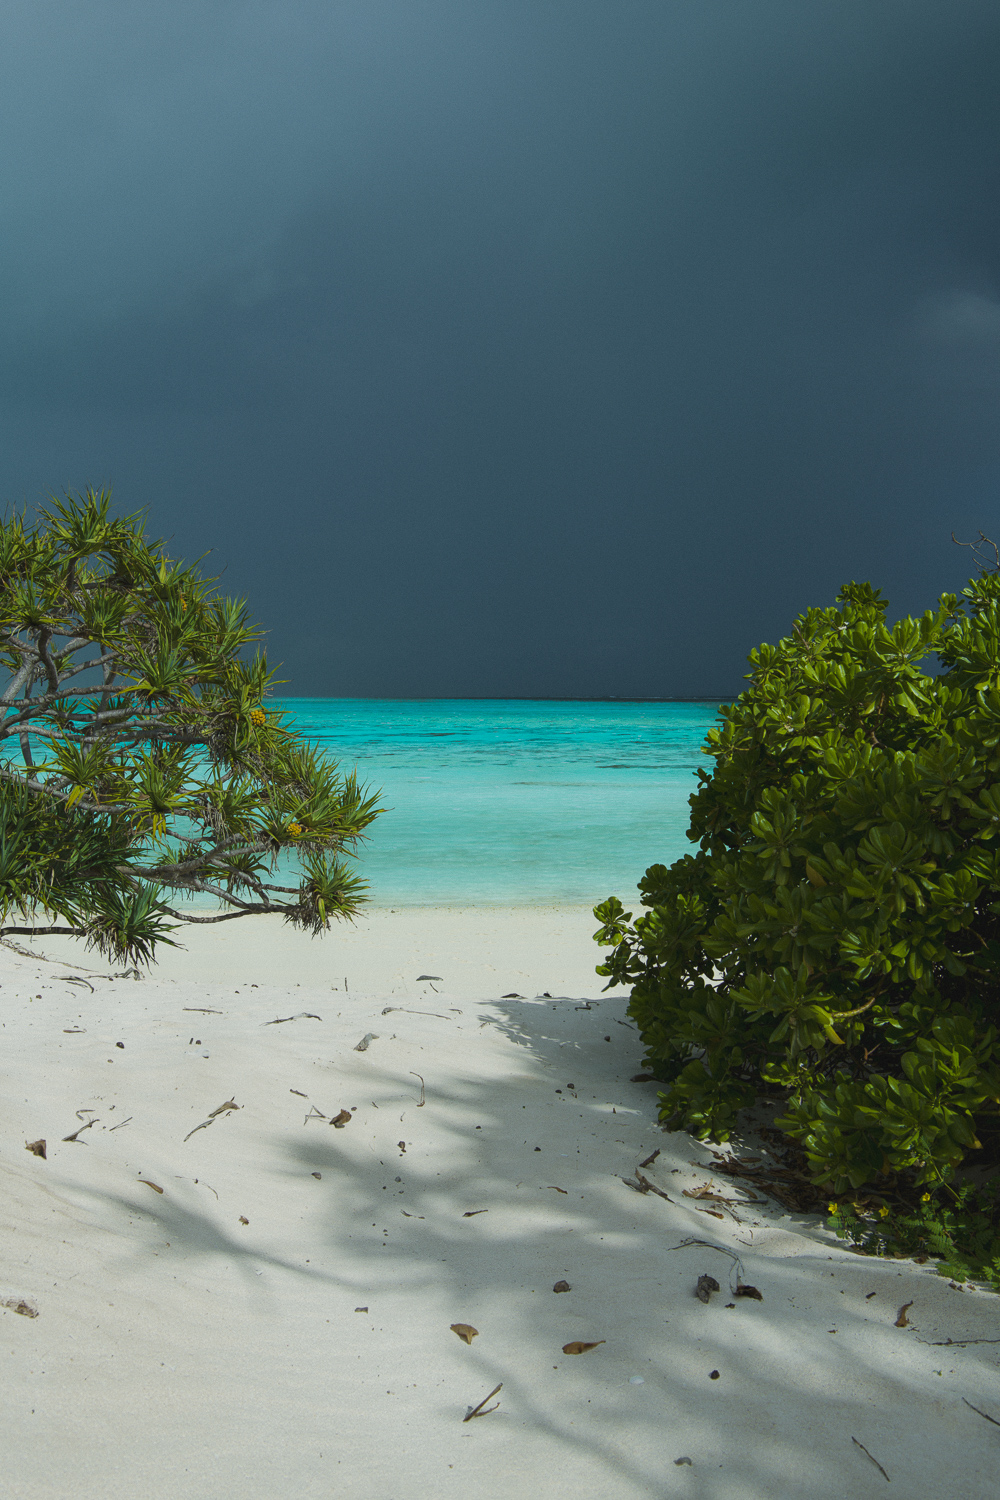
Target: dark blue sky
{"type": "Point", "coordinates": [511, 347]}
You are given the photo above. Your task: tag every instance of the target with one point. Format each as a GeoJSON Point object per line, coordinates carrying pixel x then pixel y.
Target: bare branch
{"type": "Point", "coordinates": [978, 547]}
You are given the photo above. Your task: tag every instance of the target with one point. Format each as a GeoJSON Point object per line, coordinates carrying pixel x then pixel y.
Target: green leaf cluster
{"type": "Point", "coordinates": [834, 943]}
{"type": "Point", "coordinates": [140, 758]}
{"type": "Point", "coordinates": [962, 1233]}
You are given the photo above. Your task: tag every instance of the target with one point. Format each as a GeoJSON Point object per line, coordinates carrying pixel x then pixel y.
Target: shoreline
{"type": "Point", "coordinates": [485, 951]}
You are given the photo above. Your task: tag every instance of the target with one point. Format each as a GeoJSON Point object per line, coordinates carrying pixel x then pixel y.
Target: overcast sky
{"type": "Point", "coordinates": [511, 347]}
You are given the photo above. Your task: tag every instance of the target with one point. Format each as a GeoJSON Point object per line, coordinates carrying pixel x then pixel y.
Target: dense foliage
{"type": "Point", "coordinates": [140, 760]}
{"type": "Point", "coordinates": [834, 944]}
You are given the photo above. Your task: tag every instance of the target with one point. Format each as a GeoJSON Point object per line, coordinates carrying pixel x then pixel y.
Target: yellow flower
{"type": "Point", "coordinates": [926, 1198]}
{"type": "Point", "coordinates": [832, 1207]}
{"type": "Point", "coordinates": [257, 716]}
{"type": "Point", "coordinates": [294, 828]}
{"type": "Point", "coordinates": [884, 1212]}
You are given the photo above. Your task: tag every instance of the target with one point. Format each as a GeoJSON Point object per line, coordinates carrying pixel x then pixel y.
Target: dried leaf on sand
{"type": "Point", "coordinates": [24, 1307]}
{"type": "Point", "coordinates": [578, 1347]}
{"type": "Point", "coordinates": [466, 1333]}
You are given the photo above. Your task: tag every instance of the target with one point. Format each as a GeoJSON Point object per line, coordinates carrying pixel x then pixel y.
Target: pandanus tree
{"type": "Point", "coordinates": [141, 761]}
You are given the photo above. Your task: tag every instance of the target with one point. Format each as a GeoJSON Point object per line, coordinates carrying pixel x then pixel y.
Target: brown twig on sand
{"type": "Point", "coordinates": [650, 1159]}
{"type": "Point", "coordinates": [982, 1413]}
{"type": "Point", "coordinates": [650, 1187]}
{"type": "Point", "coordinates": [229, 1104]}
{"type": "Point", "coordinates": [402, 1008]}
{"type": "Point", "coordinates": [871, 1460]}
{"type": "Point", "coordinates": [477, 1411]}
{"type": "Point", "coordinates": [955, 1343]}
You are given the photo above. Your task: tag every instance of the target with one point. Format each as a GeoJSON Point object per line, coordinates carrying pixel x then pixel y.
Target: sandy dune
{"type": "Point", "coordinates": [180, 1351]}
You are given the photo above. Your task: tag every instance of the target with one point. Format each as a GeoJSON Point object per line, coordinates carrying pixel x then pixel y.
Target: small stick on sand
{"type": "Point", "coordinates": [421, 1105]}
{"type": "Point", "coordinates": [650, 1187]}
{"type": "Point", "coordinates": [872, 1460]}
{"type": "Point", "coordinates": [971, 1408]}
{"type": "Point", "coordinates": [477, 1411]}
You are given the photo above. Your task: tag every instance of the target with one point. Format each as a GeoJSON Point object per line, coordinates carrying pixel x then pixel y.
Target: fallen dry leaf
{"type": "Point", "coordinates": [37, 1148]}
{"type": "Point", "coordinates": [243, 1220]}
{"type": "Point", "coordinates": [902, 1321]}
{"type": "Point", "coordinates": [229, 1104]}
{"type": "Point", "coordinates": [20, 1305]}
{"type": "Point", "coordinates": [562, 1286]}
{"type": "Point", "coordinates": [710, 1211]}
{"type": "Point", "coordinates": [466, 1333]}
{"type": "Point", "coordinates": [553, 1189]}
{"type": "Point", "coordinates": [470, 1213]}
{"type": "Point", "coordinates": [576, 1347]}
{"type": "Point", "coordinates": [706, 1286]}
{"type": "Point", "coordinates": [147, 1183]}
{"type": "Point", "coordinates": [707, 1192]}
{"type": "Point", "coordinates": [748, 1291]}
{"type": "Point", "coordinates": [339, 1121]}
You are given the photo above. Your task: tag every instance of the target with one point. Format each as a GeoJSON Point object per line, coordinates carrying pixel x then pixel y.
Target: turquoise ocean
{"type": "Point", "coordinates": [514, 801]}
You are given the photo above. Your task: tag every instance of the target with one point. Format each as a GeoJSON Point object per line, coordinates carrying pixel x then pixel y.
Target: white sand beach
{"type": "Point", "coordinates": [221, 1303]}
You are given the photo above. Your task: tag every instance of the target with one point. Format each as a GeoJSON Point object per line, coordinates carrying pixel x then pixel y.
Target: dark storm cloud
{"type": "Point", "coordinates": [512, 347]}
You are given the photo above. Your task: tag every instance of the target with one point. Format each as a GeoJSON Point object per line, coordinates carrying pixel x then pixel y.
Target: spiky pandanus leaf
{"type": "Point", "coordinates": [142, 737]}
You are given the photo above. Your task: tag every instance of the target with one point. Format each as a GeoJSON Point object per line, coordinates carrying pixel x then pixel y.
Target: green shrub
{"type": "Point", "coordinates": [961, 1233]}
{"type": "Point", "coordinates": [834, 944]}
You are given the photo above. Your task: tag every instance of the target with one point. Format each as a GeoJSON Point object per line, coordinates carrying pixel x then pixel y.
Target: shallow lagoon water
{"type": "Point", "coordinates": [514, 801]}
